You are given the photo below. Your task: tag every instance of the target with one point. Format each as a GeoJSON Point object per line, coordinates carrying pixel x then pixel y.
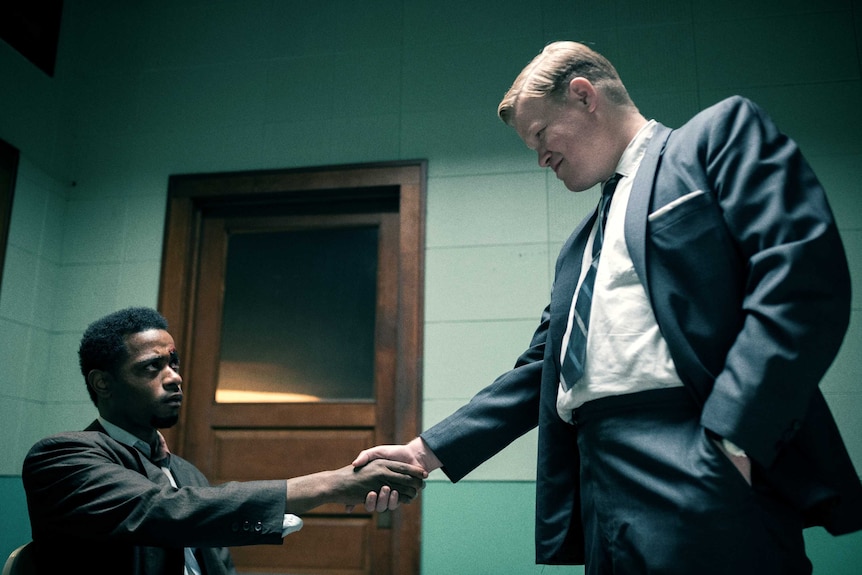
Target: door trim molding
{"type": "Point", "coordinates": [9, 158]}
{"type": "Point", "coordinates": [400, 184]}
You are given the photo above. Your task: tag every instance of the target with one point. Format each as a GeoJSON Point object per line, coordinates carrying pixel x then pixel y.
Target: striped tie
{"type": "Point", "coordinates": [573, 362]}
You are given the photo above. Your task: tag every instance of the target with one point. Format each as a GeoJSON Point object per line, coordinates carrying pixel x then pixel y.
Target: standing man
{"type": "Point", "coordinates": [674, 374]}
{"type": "Point", "coordinates": [112, 500]}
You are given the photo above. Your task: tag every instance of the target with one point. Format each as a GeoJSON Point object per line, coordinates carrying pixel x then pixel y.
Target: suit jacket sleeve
{"type": "Point", "coordinates": [85, 485]}
{"type": "Point", "coordinates": [795, 294]}
{"type": "Point", "coordinates": [494, 417]}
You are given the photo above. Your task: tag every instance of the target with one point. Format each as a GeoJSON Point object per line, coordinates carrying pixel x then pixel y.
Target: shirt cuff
{"type": "Point", "coordinates": [732, 448]}
{"type": "Point", "coordinates": [291, 523]}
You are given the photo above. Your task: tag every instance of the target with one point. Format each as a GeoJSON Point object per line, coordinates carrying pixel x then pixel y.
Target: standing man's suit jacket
{"type": "Point", "coordinates": [731, 236]}
{"type": "Point", "coordinates": [99, 506]}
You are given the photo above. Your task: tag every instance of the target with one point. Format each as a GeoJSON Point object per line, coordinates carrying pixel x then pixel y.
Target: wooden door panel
{"type": "Point", "coordinates": [306, 415]}
{"type": "Point", "coordinates": [324, 546]}
{"type": "Point", "coordinates": [288, 453]}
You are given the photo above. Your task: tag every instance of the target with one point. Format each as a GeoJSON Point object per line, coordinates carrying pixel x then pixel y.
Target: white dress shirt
{"type": "Point", "coordinates": [626, 351]}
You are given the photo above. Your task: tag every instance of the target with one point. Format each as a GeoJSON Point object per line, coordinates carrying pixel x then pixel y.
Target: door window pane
{"type": "Point", "coordinates": [299, 311]}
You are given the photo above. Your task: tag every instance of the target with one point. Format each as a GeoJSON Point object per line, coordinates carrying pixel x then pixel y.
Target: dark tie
{"type": "Point", "coordinates": [573, 362]}
{"type": "Point", "coordinates": [161, 455]}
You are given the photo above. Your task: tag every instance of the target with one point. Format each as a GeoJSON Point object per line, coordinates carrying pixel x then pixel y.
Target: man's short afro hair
{"type": "Point", "coordinates": [103, 344]}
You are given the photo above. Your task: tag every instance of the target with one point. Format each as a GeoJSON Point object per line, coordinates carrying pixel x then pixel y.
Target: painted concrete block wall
{"type": "Point", "coordinates": [146, 90]}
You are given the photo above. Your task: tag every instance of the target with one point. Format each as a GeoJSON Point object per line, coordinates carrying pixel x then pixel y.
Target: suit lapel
{"type": "Point", "coordinates": [565, 282]}
{"type": "Point", "coordinates": [180, 475]}
{"type": "Point", "coordinates": [637, 211]}
{"type": "Point", "coordinates": [134, 458]}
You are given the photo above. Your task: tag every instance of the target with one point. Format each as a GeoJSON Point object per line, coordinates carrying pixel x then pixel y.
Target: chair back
{"type": "Point", "coordinates": [20, 561]}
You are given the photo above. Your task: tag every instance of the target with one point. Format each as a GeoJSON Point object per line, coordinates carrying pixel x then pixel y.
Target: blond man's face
{"type": "Point", "coordinates": [567, 137]}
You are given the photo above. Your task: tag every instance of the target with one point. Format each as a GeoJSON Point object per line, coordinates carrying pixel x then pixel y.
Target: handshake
{"type": "Point", "coordinates": [382, 477]}
{"type": "Point", "coordinates": [392, 474]}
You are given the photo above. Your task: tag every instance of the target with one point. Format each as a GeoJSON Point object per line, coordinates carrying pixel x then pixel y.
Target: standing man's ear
{"type": "Point", "coordinates": [100, 382]}
{"type": "Point", "coordinates": [582, 92]}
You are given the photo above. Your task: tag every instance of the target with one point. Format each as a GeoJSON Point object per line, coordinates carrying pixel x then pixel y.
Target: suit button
{"type": "Point", "coordinates": [258, 527]}
{"type": "Point", "coordinates": [234, 526]}
{"type": "Point", "coordinates": [245, 526]}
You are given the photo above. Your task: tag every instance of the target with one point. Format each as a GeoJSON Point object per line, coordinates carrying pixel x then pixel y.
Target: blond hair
{"type": "Point", "coordinates": [550, 72]}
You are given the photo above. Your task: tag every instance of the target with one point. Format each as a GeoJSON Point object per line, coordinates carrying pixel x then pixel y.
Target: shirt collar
{"type": "Point", "coordinates": [634, 152]}
{"type": "Point", "coordinates": [119, 434]}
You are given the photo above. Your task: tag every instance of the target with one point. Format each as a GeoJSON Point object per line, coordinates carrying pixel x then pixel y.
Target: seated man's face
{"type": "Point", "coordinates": [145, 390]}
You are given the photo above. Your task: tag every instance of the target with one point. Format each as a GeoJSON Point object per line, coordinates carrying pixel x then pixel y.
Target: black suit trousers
{"type": "Point", "coordinates": [659, 496]}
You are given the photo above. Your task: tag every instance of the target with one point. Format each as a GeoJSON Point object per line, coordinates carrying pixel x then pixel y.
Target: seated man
{"type": "Point", "coordinates": [111, 499]}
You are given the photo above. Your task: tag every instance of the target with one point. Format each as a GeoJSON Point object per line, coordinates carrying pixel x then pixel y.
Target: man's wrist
{"type": "Point", "coordinates": [423, 454]}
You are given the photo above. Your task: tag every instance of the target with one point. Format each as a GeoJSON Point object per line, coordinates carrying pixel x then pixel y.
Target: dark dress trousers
{"type": "Point", "coordinates": [749, 283]}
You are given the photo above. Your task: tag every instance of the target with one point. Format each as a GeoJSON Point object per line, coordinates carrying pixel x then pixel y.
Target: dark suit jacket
{"type": "Point", "coordinates": [99, 506]}
{"type": "Point", "coordinates": [749, 283]}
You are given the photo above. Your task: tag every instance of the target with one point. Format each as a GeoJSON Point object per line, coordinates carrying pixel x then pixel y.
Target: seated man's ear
{"type": "Point", "coordinates": [100, 382]}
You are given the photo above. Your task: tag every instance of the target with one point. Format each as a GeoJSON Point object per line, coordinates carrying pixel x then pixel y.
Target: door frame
{"type": "Point", "coordinates": [192, 196]}
{"type": "Point", "coordinates": [9, 158]}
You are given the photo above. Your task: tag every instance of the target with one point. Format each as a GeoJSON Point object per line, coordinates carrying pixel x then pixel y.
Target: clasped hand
{"type": "Point", "coordinates": [415, 453]}
{"type": "Point", "coordinates": [385, 483]}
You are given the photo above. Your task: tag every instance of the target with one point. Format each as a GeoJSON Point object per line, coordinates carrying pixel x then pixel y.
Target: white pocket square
{"type": "Point", "coordinates": [674, 204]}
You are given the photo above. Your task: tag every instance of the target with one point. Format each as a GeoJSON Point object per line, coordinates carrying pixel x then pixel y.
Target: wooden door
{"type": "Point", "coordinates": [261, 433]}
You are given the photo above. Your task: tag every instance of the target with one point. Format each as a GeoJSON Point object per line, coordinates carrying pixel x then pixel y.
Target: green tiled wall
{"type": "Point", "coordinates": [144, 90]}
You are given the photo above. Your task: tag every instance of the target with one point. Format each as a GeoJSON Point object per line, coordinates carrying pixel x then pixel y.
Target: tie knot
{"type": "Point", "coordinates": [611, 185]}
